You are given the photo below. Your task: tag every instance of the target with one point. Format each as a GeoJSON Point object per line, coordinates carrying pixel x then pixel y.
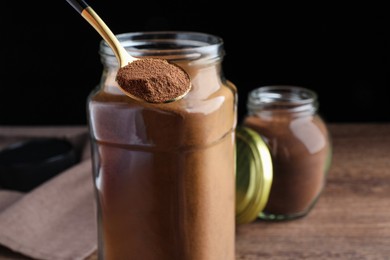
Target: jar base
{"type": "Point", "coordinates": [281, 217]}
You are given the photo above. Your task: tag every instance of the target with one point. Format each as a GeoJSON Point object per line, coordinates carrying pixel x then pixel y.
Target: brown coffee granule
{"type": "Point", "coordinates": [153, 80]}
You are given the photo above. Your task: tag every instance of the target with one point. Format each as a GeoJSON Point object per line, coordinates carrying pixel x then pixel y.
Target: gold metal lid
{"type": "Point", "coordinates": [253, 174]}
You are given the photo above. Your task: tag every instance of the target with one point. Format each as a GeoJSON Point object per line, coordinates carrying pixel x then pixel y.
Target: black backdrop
{"type": "Point", "coordinates": [50, 62]}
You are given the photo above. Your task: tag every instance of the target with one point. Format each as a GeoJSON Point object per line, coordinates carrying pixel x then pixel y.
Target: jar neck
{"type": "Point", "coordinates": [290, 101]}
{"type": "Point", "coordinates": [191, 48]}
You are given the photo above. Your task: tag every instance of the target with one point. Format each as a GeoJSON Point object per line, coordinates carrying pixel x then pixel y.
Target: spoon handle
{"type": "Point", "coordinates": [78, 5]}
{"type": "Point", "coordinates": [93, 19]}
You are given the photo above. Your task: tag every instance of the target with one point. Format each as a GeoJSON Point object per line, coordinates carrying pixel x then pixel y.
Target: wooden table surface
{"type": "Point", "coordinates": [352, 217]}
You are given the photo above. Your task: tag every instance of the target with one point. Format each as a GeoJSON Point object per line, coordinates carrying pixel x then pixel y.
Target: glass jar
{"type": "Point", "coordinates": [299, 143]}
{"type": "Point", "coordinates": [164, 173]}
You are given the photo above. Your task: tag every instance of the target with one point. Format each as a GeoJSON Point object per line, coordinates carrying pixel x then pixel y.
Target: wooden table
{"type": "Point", "coordinates": [352, 217]}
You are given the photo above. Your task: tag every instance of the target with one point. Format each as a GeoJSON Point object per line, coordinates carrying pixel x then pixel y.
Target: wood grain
{"type": "Point", "coordinates": [351, 220]}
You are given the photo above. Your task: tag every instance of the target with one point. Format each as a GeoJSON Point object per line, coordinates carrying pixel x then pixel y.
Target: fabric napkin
{"type": "Point", "coordinates": [56, 220]}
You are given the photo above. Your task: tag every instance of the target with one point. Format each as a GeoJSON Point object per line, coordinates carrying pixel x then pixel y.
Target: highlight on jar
{"type": "Point", "coordinates": [283, 154]}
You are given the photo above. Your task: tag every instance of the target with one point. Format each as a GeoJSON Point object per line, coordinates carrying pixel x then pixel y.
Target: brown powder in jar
{"type": "Point", "coordinates": [153, 80]}
{"type": "Point", "coordinates": [300, 149]}
{"type": "Point", "coordinates": [166, 172]}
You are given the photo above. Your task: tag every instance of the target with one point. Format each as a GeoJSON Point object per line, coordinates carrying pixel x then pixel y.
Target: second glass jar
{"type": "Point", "coordinates": [299, 142]}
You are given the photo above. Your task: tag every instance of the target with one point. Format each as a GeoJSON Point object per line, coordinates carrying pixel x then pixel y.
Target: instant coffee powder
{"type": "Point", "coordinates": [164, 173]}
{"type": "Point", "coordinates": [153, 80]}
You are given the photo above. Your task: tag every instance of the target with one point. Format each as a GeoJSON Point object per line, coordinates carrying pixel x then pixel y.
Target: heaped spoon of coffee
{"type": "Point", "coordinates": [149, 80]}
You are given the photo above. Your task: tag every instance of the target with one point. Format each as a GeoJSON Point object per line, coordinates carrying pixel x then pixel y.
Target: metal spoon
{"type": "Point", "coordinates": [123, 57]}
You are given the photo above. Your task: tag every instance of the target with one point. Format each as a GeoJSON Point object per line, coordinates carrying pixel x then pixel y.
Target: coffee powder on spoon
{"type": "Point", "coordinates": [153, 80]}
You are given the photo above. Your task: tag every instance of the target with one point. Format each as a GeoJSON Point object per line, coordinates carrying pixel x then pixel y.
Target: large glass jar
{"type": "Point", "coordinates": [299, 143]}
{"type": "Point", "coordinates": [164, 173]}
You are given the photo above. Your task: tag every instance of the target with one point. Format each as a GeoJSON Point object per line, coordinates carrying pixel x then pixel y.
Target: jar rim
{"type": "Point", "coordinates": [283, 93]}
{"type": "Point", "coordinates": [169, 45]}
{"type": "Point", "coordinates": [288, 97]}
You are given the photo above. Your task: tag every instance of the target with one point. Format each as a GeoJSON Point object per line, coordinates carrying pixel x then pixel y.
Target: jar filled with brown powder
{"type": "Point", "coordinates": [286, 118]}
{"type": "Point", "coordinates": [164, 173]}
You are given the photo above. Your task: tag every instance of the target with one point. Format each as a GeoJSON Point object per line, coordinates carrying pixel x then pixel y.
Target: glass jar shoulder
{"type": "Point", "coordinates": [193, 121]}
{"type": "Point", "coordinates": [287, 134]}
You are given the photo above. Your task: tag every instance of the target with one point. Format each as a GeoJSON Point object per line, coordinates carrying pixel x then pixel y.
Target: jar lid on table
{"type": "Point", "coordinates": [253, 174]}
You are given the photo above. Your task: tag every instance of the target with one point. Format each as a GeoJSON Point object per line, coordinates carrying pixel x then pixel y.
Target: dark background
{"type": "Point", "coordinates": [50, 58]}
